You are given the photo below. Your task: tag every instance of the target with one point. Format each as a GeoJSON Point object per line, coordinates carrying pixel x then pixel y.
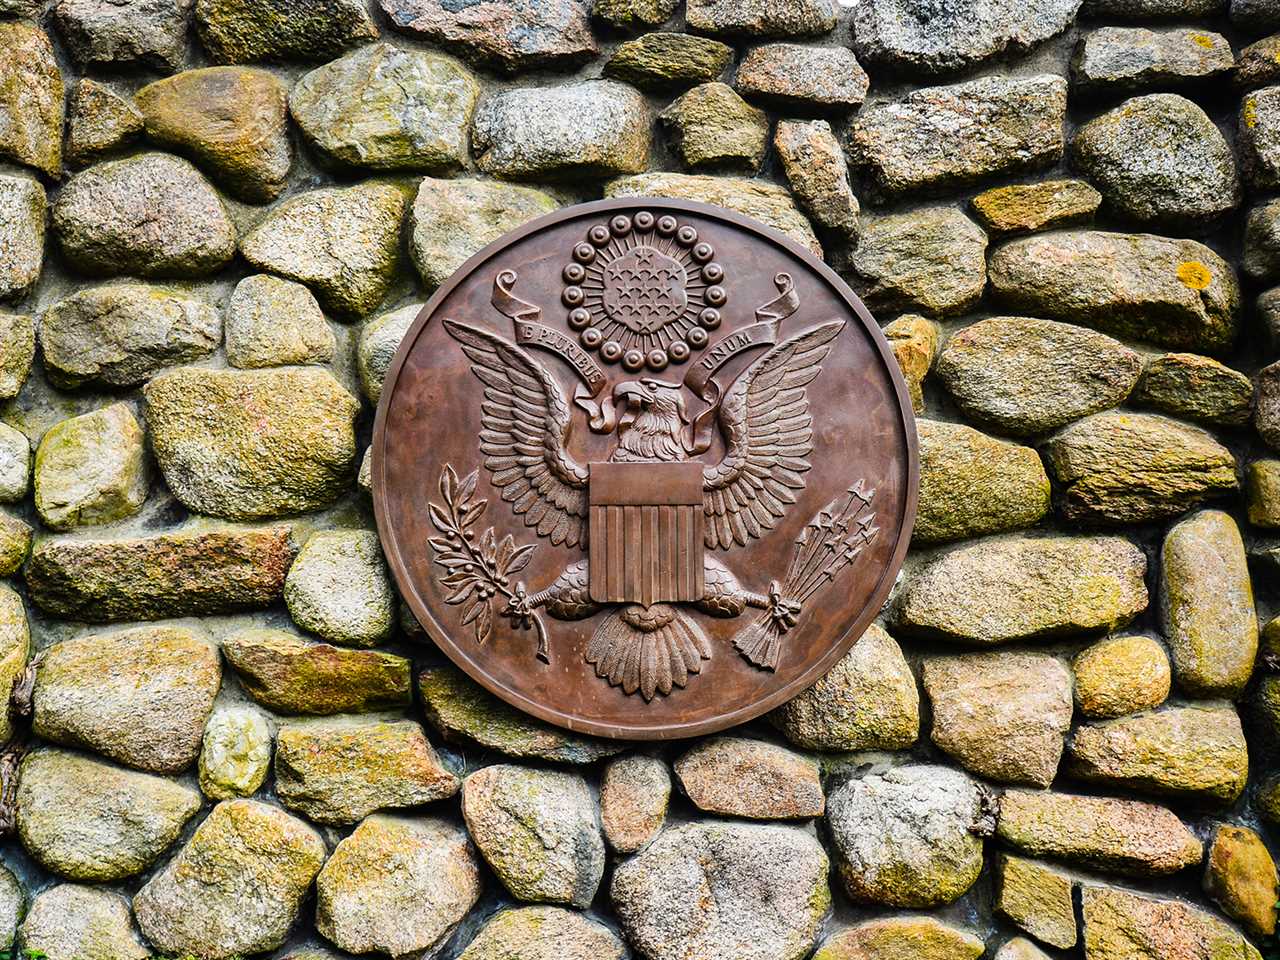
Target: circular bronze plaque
{"type": "Point", "coordinates": [644, 468]}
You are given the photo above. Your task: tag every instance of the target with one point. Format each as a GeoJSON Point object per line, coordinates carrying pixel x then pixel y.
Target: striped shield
{"type": "Point", "coordinates": [646, 532]}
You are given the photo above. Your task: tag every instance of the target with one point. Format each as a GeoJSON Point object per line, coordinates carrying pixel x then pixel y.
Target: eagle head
{"type": "Point", "coordinates": [652, 420]}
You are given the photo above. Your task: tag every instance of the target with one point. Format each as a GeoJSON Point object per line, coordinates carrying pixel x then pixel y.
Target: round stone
{"type": "Point", "coordinates": [1121, 675]}
{"type": "Point", "coordinates": [1159, 160]}
{"type": "Point", "coordinates": [150, 215]}
{"type": "Point", "coordinates": [906, 837]}
{"type": "Point", "coordinates": [724, 891]}
{"type": "Point", "coordinates": [338, 588]}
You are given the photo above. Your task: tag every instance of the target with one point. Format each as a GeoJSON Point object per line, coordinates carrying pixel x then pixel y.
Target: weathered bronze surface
{"type": "Point", "coordinates": [644, 468]}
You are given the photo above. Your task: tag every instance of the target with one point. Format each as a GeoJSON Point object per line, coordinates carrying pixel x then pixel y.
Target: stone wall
{"type": "Point", "coordinates": [217, 219]}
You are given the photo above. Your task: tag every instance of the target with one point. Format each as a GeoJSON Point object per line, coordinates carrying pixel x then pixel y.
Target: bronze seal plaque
{"type": "Point", "coordinates": [644, 468]}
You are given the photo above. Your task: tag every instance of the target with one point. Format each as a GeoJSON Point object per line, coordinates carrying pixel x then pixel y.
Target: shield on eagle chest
{"type": "Point", "coordinates": [645, 532]}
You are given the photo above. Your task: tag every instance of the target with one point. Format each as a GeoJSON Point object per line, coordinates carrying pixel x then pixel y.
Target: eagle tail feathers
{"type": "Point", "coordinates": [650, 649]}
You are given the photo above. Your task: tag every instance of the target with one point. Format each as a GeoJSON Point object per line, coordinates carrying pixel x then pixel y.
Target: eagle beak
{"type": "Point", "coordinates": [634, 396]}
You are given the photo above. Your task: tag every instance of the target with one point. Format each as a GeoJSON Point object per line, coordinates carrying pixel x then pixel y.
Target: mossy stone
{"type": "Point", "coordinates": [668, 61]}
{"type": "Point", "coordinates": [972, 484]}
{"type": "Point", "coordinates": [230, 120]}
{"type": "Point", "coordinates": [91, 469]}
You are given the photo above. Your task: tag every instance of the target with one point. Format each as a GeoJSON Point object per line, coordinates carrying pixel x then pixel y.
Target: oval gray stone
{"type": "Point", "coordinates": [1261, 259]}
{"type": "Point", "coordinates": [339, 588]}
{"type": "Point", "coordinates": [1159, 161]}
{"type": "Point", "coordinates": [761, 18]}
{"type": "Point", "coordinates": [721, 890]}
{"type": "Point", "coordinates": [13, 904]}
{"type": "Point", "coordinates": [538, 830]}
{"type": "Point", "coordinates": [596, 128]}
{"type": "Point", "coordinates": [1028, 376]}
{"type": "Point", "coordinates": [1024, 587]}
{"type": "Point", "coordinates": [916, 36]}
{"type": "Point", "coordinates": [937, 139]}
{"type": "Point", "coordinates": [387, 108]}
{"type": "Point", "coordinates": [72, 922]}
{"type": "Point", "coordinates": [22, 216]}
{"type": "Point", "coordinates": [1256, 138]}
{"type": "Point", "coordinates": [1266, 409]}
{"type": "Point", "coordinates": [15, 463]}
{"type": "Point", "coordinates": [150, 215]}
{"type": "Point", "coordinates": [90, 821]}
{"type": "Point", "coordinates": [906, 837]}
{"type": "Point", "coordinates": [1135, 59]}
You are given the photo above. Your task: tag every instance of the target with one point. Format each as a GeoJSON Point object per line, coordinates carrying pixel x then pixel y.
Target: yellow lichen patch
{"type": "Point", "coordinates": [1249, 113]}
{"type": "Point", "coordinates": [1203, 39]}
{"type": "Point", "coordinates": [1194, 274]}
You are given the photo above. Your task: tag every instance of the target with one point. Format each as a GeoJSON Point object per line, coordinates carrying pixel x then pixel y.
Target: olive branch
{"type": "Point", "coordinates": [476, 570]}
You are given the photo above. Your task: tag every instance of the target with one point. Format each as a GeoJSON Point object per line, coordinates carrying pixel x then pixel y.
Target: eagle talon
{"type": "Point", "coordinates": [783, 611]}
{"type": "Point", "coordinates": [519, 608]}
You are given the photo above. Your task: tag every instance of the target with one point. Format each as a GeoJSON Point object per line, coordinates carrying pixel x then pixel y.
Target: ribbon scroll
{"type": "Point", "coordinates": [763, 333]}
{"type": "Point", "coordinates": [530, 331]}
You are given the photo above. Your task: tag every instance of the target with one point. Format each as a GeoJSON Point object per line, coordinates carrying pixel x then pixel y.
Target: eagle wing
{"type": "Point", "coordinates": [525, 423]}
{"type": "Point", "coordinates": [768, 438]}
